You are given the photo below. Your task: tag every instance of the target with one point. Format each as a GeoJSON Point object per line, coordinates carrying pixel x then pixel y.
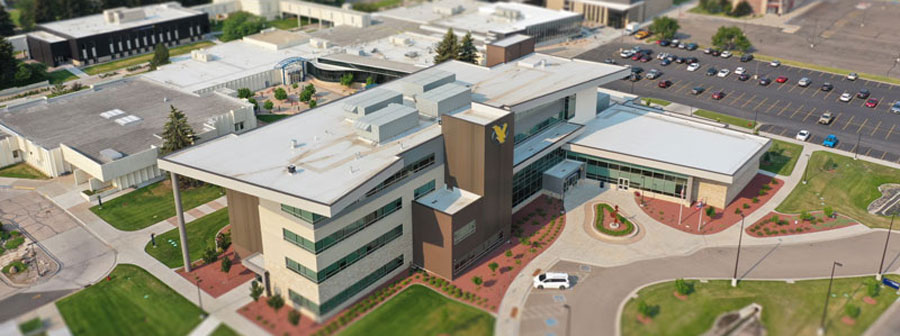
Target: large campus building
{"type": "Point", "coordinates": [116, 33]}
{"type": "Point", "coordinates": [108, 135]}
{"type": "Point", "coordinates": [613, 13]}
{"type": "Point", "coordinates": [426, 170]}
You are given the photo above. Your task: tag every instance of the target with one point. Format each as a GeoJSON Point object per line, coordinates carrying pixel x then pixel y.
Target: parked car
{"type": "Point", "coordinates": [675, 43]}
{"type": "Point", "coordinates": [725, 54]}
{"type": "Point", "coordinates": [653, 74]}
{"type": "Point", "coordinates": [637, 69]}
{"type": "Point", "coordinates": [896, 107]}
{"type": "Point", "coordinates": [827, 87]}
{"type": "Point", "coordinates": [740, 71]}
{"type": "Point", "coordinates": [708, 51]}
{"type": "Point", "coordinates": [552, 280]}
{"type": "Point", "coordinates": [661, 56]}
{"type": "Point", "coordinates": [775, 63]}
{"type": "Point", "coordinates": [747, 58]}
{"type": "Point", "coordinates": [804, 82]}
{"type": "Point", "coordinates": [691, 60]}
{"type": "Point", "coordinates": [863, 94]}
{"type": "Point", "coordinates": [826, 118]}
{"type": "Point", "coordinates": [679, 60]}
{"type": "Point", "coordinates": [691, 46]}
{"type": "Point", "coordinates": [693, 67]}
{"type": "Point", "coordinates": [663, 84]}
{"type": "Point", "coordinates": [846, 97]}
{"type": "Point", "coordinates": [711, 71]}
{"type": "Point", "coordinates": [609, 61]}
{"type": "Point", "coordinates": [871, 103]}
{"type": "Point", "coordinates": [626, 53]}
{"type": "Point", "coordinates": [637, 56]}
{"type": "Point", "coordinates": [699, 89]}
{"type": "Point", "coordinates": [634, 77]}
{"type": "Point", "coordinates": [723, 73]}
{"type": "Point", "coordinates": [830, 141]}
{"type": "Point", "coordinates": [743, 77]}
{"type": "Point", "coordinates": [765, 81]}
{"type": "Point", "coordinates": [803, 135]}
{"type": "Point", "coordinates": [682, 45]}
{"type": "Point", "coordinates": [781, 79]}
{"type": "Point", "coordinates": [852, 76]}
{"type": "Point", "coordinates": [645, 59]}
{"type": "Point", "coordinates": [663, 43]}
{"type": "Point", "coordinates": [665, 62]}
{"type": "Point", "coordinates": [640, 35]}
{"type": "Point", "coordinates": [718, 95]}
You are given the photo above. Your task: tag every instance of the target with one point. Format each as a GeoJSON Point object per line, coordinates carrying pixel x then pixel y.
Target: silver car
{"type": "Point", "coordinates": [896, 107]}
{"type": "Point", "coordinates": [804, 82]}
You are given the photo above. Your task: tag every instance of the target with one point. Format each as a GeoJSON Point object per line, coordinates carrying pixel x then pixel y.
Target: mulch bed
{"type": "Point", "coordinates": [679, 296]}
{"type": "Point", "coordinates": [775, 224]}
{"type": "Point", "coordinates": [609, 219]}
{"type": "Point", "coordinates": [643, 319]}
{"type": "Point", "coordinates": [848, 321]}
{"type": "Point", "coordinates": [761, 189]}
{"type": "Point", "coordinates": [869, 300]}
{"type": "Point", "coordinates": [215, 282]}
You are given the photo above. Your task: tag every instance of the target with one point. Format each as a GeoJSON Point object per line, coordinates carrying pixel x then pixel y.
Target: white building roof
{"type": "Point", "coordinates": [448, 201]}
{"type": "Point", "coordinates": [488, 19]}
{"type": "Point", "coordinates": [654, 136]}
{"type": "Point", "coordinates": [96, 24]}
{"type": "Point", "coordinates": [406, 47]}
{"type": "Point", "coordinates": [426, 12]}
{"type": "Point", "coordinates": [46, 36]}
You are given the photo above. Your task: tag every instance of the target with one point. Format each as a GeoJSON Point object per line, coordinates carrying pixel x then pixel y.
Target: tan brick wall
{"type": "Point", "coordinates": [712, 193]}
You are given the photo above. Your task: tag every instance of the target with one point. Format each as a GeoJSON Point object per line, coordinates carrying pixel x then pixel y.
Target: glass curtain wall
{"type": "Point", "coordinates": [639, 177]}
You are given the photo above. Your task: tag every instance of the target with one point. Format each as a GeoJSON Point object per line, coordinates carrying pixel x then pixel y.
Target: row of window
{"type": "Point", "coordinates": [308, 216]}
{"type": "Point", "coordinates": [345, 232]}
{"type": "Point", "coordinates": [346, 261]}
{"type": "Point", "coordinates": [424, 189]}
{"type": "Point", "coordinates": [346, 294]}
{"type": "Point", "coordinates": [530, 180]}
{"type": "Point", "coordinates": [655, 180]}
{"type": "Point", "coordinates": [408, 170]}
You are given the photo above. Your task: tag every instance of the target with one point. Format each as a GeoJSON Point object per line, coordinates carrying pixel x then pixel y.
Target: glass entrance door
{"type": "Point", "coordinates": [623, 183]}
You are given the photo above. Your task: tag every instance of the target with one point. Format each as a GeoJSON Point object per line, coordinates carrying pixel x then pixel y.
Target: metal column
{"type": "Point", "coordinates": [179, 212]}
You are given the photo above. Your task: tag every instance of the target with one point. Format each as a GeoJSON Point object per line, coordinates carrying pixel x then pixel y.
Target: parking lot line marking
{"type": "Point", "coordinates": [809, 114]}
{"type": "Point", "coordinates": [816, 92]}
{"type": "Point", "coordinates": [836, 118]}
{"type": "Point", "coordinates": [760, 103]}
{"type": "Point", "coordinates": [881, 100]}
{"type": "Point", "coordinates": [738, 98]}
{"type": "Point", "coordinates": [773, 105]}
{"type": "Point", "coordinates": [795, 112]}
{"type": "Point", "coordinates": [848, 123]}
{"type": "Point", "coordinates": [781, 86]}
{"type": "Point", "coordinates": [861, 125]}
{"type": "Point", "coordinates": [748, 101]}
{"type": "Point", "coordinates": [684, 87]}
{"type": "Point", "coordinates": [882, 155]}
{"type": "Point", "coordinates": [783, 131]}
{"type": "Point", "coordinates": [785, 108]}
{"type": "Point", "coordinates": [876, 128]}
{"type": "Point", "coordinates": [828, 94]}
{"type": "Point", "coordinates": [888, 136]}
{"type": "Point", "coordinates": [792, 88]}
{"type": "Point", "coordinates": [868, 151]}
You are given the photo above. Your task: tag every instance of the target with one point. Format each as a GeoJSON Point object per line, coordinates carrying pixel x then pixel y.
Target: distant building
{"type": "Point", "coordinates": [322, 14]}
{"type": "Point", "coordinates": [768, 6]}
{"type": "Point", "coordinates": [108, 136]}
{"type": "Point", "coordinates": [117, 33]}
{"type": "Point", "coordinates": [613, 13]}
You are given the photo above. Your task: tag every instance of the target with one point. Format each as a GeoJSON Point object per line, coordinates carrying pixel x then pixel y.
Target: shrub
{"type": "Point", "coordinates": [852, 310]}
{"type": "Point", "coordinates": [276, 302]}
{"type": "Point", "coordinates": [295, 85]}
{"type": "Point", "coordinates": [684, 287]}
{"type": "Point", "coordinates": [762, 192]}
{"type": "Point", "coordinates": [347, 79]}
{"type": "Point", "coordinates": [711, 212]}
{"type": "Point", "coordinates": [477, 280]}
{"type": "Point", "coordinates": [280, 94]}
{"type": "Point", "coordinates": [756, 200]}
{"type": "Point", "coordinates": [647, 310]}
{"type": "Point", "coordinates": [872, 288]}
{"type": "Point", "coordinates": [774, 219]}
{"type": "Point", "coordinates": [210, 255]}
{"type": "Point", "coordinates": [493, 266]}
{"type": "Point", "coordinates": [268, 105]}
{"type": "Point", "coordinates": [746, 206]}
{"type": "Point", "coordinates": [737, 211]}
{"type": "Point", "coordinates": [313, 103]}
{"type": "Point", "coordinates": [223, 240]}
{"type": "Point", "coordinates": [255, 290]}
{"type": "Point", "coordinates": [13, 243]}
{"type": "Point", "coordinates": [226, 264]}
{"type": "Point", "coordinates": [293, 314]}
{"type": "Point", "coordinates": [829, 211]}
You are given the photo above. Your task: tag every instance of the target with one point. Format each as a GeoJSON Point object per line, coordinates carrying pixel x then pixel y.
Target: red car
{"type": "Point", "coordinates": [872, 102]}
{"type": "Point", "coordinates": [665, 84]}
{"type": "Point", "coordinates": [645, 59]}
{"type": "Point", "coordinates": [637, 56]}
{"type": "Point", "coordinates": [718, 95]}
{"type": "Point", "coordinates": [781, 79]}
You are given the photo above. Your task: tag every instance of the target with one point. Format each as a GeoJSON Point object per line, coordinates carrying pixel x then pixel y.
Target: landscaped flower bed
{"type": "Point", "coordinates": [604, 221]}
{"type": "Point", "coordinates": [776, 224]}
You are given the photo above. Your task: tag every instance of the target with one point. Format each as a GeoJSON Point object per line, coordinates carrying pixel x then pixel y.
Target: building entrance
{"type": "Point", "coordinates": [623, 184]}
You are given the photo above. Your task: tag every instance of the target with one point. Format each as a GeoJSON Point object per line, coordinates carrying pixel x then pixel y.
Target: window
{"type": "Point", "coordinates": [408, 170]}
{"type": "Point", "coordinates": [464, 232]}
{"type": "Point", "coordinates": [349, 259]}
{"type": "Point", "coordinates": [239, 126]}
{"type": "Point", "coordinates": [346, 294]}
{"type": "Point", "coordinates": [529, 180]}
{"type": "Point", "coordinates": [424, 189]}
{"type": "Point", "coordinates": [345, 232]}
{"type": "Point", "coordinates": [307, 216]}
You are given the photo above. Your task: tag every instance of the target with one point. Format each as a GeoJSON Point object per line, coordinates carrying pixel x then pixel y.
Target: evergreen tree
{"type": "Point", "coordinates": [7, 28]}
{"type": "Point", "coordinates": [7, 64]}
{"type": "Point", "coordinates": [447, 49]}
{"type": "Point", "coordinates": [467, 51]}
{"type": "Point", "coordinates": [160, 56]}
{"type": "Point", "coordinates": [26, 14]}
{"type": "Point", "coordinates": [177, 133]}
{"type": "Point", "coordinates": [45, 10]}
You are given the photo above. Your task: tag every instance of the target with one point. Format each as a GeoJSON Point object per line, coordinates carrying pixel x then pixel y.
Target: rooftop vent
{"type": "Point", "coordinates": [507, 14]}
{"type": "Point", "coordinates": [201, 55]}
{"type": "Point", "coordinates": [419, 83]}
{"type": "Point", "coordinates": [533, 64]}
{"type": "Point", "coordinates": [360, 105]}
{"type": "Point", "coordinates": [319, 43]}
{"type": "Point", "coordinates": [110, 155]}
{"type": "Point", "coordinates": [387, 123]}
{"type": "Point", "coordinates": [125, 121]}
{"type": "Point", "coordinates": [447, 10]}
{"type": "Point", "coordinates": [112, 113]}
{"type": "Point", "coordinates": [443, 99]}
{"type": "Point", "coordinates": [292, 169]}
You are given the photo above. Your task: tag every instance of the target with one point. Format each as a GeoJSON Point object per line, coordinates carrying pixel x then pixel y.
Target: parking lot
{"type": "Point", "coordinates": [782, 108]}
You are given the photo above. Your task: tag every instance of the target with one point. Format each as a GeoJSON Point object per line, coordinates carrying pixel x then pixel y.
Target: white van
{"type": "Point", "coordinates": [552, 280]}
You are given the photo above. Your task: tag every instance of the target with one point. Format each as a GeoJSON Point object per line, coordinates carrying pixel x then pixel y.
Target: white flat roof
{"type": "Point", "coordinates": [613, 5]}
{"type": "Point", "coordinates": [538, 142]}
{"type": "Point", "coordinates": [511, 40]}
{"type": "Point", "coordinates": [637, 132]}
{"type": "Point", "coordinates": [426, 12]}
{"type": "Point", "coordinates": [46, 36]}
{"type": "Point", "coordinates": [564, 168]}
{"type": "Point", "coordinates": [448, 201]}
{"type": "Point", "coordinates": [230, 61]}
{"type": "Point", "coordinates": [406, 47]}
{"type": "Point", "coordinates": [96, 24]}
{"type": "Point", "coordinates": [484, 20]}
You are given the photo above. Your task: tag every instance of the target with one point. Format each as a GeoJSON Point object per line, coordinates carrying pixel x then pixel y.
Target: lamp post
{"type": "Point", "coordinates": [568, 319]}
{"type": "Point", "coordinates": [738, 257]}
{"type": "Point", "coordinates": [884, 253]}
{"type": "Point", "coordinates": [821, 330]}
{"type": "Point", "coordinates": [806, 168]}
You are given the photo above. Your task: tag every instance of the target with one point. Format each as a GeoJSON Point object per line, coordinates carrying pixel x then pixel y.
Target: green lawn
{"type": "Point", "coordinates": [60, 76]}
{"type": "Point", "coordinates": [655, 101]}
{"type": "Point", "coordinates": [284, 24]}
{"type": "Point", "coordinates": [270, 118]}
{"type": "Point", "coordinates": [201, 234]}
{"type": "Point", "coordinates": [724, 118]}
{"type": "Point", "coordinates": [781, 157]}
{"type": "Point", "coordinates": [224, 330]}
{"type": "Point", "coordinates": [838, 71]}
{"type": "Point", "coordinates": [849, 187]}
{"type": "Point", "coordinates": [787, 309]}
{"type": "Point", "coordinates": [22, 170]}
{"type": "Point", "coordinates": [134, 302]}
{"type": "Point", "coordinates": [419, 310]}
{"type": "Point", "coordinates": [14, 15]}
{"type": "Point", "coordinates": [152, 204]}
{"type": "Point", "coordinates": [699, 10]}
{"type": "Point", "coordinates": [376, 6]}
{"type": "Point", "coordinates": [135, 60]}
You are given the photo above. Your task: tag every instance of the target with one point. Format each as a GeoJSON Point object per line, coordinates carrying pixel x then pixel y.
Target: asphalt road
{"type": "Point", "coordinates": [783, 108]}
{"type": "Point", "coordinates": [597, 293]}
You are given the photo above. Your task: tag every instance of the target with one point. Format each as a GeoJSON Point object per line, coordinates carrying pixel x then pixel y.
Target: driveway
{"type": "Point", "coordinates": [596, 297]}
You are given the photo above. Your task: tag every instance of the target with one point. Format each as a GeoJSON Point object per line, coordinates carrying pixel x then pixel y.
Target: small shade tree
{"type": "Point", "coordinates": [684, 287]}
{"type": "Point", "coordinates": [268, 105]}
{"type": "Point", "coordinates": [665, 27]}
{"type": "Point", "coordinates": [244, 93]}
{"type": "Point", "coordinates": [280, 94]}
{"type": "Point", "coordinates": [347, 79]}
{"type": "Point", "coordinates": [255, 290]}
{"type": "Point", "coordinates": [226, 264]}
{"type": "Point", "coordinates": [276, 302]}
{"type": "Point", "coordinates": [731, 38]}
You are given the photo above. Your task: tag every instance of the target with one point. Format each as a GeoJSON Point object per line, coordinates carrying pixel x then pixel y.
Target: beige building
{"type": "Point", "coordinates": [769, 6]}
{"type": "Point", "coordinates": [613, 13]}
{"type": "Point", "coordinates": [322, 14]}
{"type": "Point", "coordinates": [108, 135]}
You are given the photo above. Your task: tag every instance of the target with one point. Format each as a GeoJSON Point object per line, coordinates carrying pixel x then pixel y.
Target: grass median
{"type": "Point", "coordinates": [648, 101]}
{"type": "Point", "coordinates": [781, 158]}
{"type": "Point", "coordinates": [845, 184]}
{"type": "Point", "coordinates": [132, 302]}
{"type": "Point", "coordinates": [151, 204]}
{"type": "Point", "coordinates": [724, 118]}
{"type": "Point", "coordinates": [140, 59]}
{"type": "Point", "coordinates": [419, 310]}
{"type": "Point", "coordinates": [60, 76]}
{"type": "Point", "coordinates": [201, 233]}
{"type": "Point", "coordinates": [787, 309]}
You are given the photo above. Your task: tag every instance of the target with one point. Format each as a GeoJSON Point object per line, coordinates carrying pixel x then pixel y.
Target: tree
{"type": "Point", "coordinates": [280, 94]}
{"type": "Point", "coordinates": [276, 302]}
{"type": "Point", "coordinates": [711, 212]}
{"type": "Point", "coordinates": [665, 27]}
{"type": "Point", "coordinates": [683, 287]}
{"type": "Point", "coordinates": [852, 310]}
{"type": "Point", "coordinates": [313, 103]}
{"type": "Point", "coordinates": [246, 93]}
{"type": "Point", "coordinates": [177, 133]}
{"type": "Point", "coordinates": [240, 24]}
{"type": "Point", "coordinates": [226, 264]}
{"type": "Point", "coordinates": [370, 80]}
{"type": "Point", "coordinates": [26, 13]}
{"type": "Point", "coordinates": [255, 290]}
{"type": "Point", "coordinates": [7, 64]}
{"type": "Point", "coordinates": [872, 288]}
{"type": "Point", "coordinates": [447, 49]}
{"type": "Point", "coordinates": [74, 8]}
{"type": "Point", "coordinates": [7, 28]}
{"type": "Point", "coordinates": [467, 51]}
{"type": "Point", "coordinates": [44, 11]}
{"type": "Point", "coordinates": [210, 255]}
{"type": "Point", "coordinates": [294, 316]}
{"type": "Point", "coordinates": [742, 9]}
{"type": "Point", "coordinates": [477, 280]}
{"type": "Point", "coordinates": [731, 38]}
{"type": "Point", "coordinates": [493, 266]}
{"type": "Point", "coordinates": [160, 56]}
{"type": "Point", "coordinates": [347, 79]}
{"type": "Point", "coordinates": [268, 105]}
{"type": "Point", "coordinates": [307, 94]}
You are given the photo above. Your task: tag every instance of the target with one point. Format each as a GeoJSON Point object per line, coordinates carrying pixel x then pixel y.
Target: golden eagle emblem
{"type": "Point", "coordinates": [500, 133]}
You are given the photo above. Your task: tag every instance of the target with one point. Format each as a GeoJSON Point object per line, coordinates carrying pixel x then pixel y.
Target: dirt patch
{"type": "Point", "coordinates": [679, 296]}
{"type": "Point", "coordinates": [776, 224]}
{"type": "Point", "coordinates": [644, 320]}
{"type": "Point", "coordinates": [215, 282]}
{"type": "Point", "coordinates": [848, 321]}
{"type": "Point", "coordinates": [869, 300]}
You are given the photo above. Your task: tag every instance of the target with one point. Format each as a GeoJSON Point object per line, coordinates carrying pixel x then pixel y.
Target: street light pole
{"type": "Point", "coordinates": [806, 168]}
{"type": "Point", "coordinates": [568, 319]}
{"type": "Point", "coordinates": [883, 254]}
{"type": "Point", "coordinates": [738, 258]}
{"type": "Point", "coordinates": [821, 330]}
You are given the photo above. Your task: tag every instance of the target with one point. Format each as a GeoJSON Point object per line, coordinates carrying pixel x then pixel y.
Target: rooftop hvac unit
{"type": "Point", "coordinates": [411, 54]}
{"type": "Point", "coordinates": [201, 55]}
{"type": "Point", "coordinates": [447, 10]}
{"type": "Point", "coordinates": [400, 41]}
{"type": "Point", "coordinates": [112, 113]}
{"type": "Point", "coordinates": [507, 14]}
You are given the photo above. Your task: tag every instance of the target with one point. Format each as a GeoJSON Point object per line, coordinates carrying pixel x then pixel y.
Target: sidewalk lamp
{"type": "Point", "coordinates": [821, 330]}
{"type": "Point", "coordinates": [884, 253]}
{"type": "Point", "coordinates": [738, 258]}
